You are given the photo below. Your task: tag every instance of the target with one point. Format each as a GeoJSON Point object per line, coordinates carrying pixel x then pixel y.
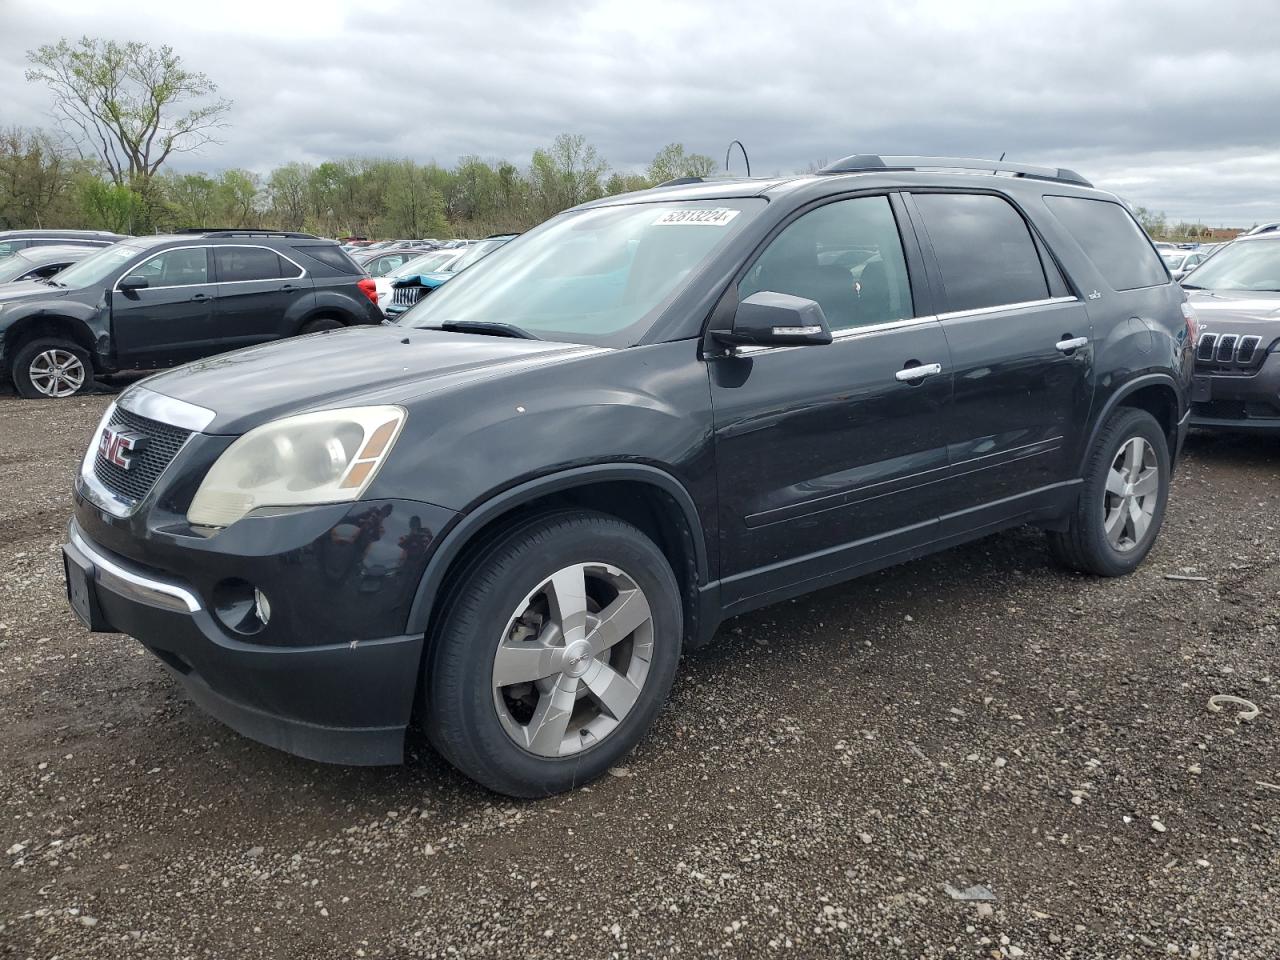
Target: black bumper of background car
{"type": "Point", "coordinates": [1240, 402]}
{"type": "Point", "coordinates": [343, 702]}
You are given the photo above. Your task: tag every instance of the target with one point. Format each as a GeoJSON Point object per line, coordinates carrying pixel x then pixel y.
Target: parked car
{"type": "Point", "coordinates": [1237, 297]}
{"type": "Point", "coordinates": [1182, 262]}
{"type": "Point", "coordinates": [381, 262]}
{"type": "Point", "coordinates": [408, 288]}
{"type": "Point", "coordinates": [40, 263]}
{"type": "Point", "coordinates": [1272, 227]}
{"type": "Point", "coordinates": [436, 261]}
{"type": "Point", "coordinates": [14, 240]}
{"type": "Point", "coordinates": [154, 302]}
{"type": "Point", "coordinates": [517, 506]}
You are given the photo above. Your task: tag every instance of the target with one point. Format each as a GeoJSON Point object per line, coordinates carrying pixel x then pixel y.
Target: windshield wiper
{"type": "Point", "coordinates": [1191, 286]}
{"type": "Point", "coordinates": [487, 327]}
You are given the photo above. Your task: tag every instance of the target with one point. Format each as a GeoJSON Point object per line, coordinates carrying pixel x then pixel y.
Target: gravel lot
{"type": "Point", "coordinates": [822, 772]}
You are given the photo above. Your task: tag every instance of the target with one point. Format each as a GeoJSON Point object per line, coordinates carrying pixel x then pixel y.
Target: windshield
{"type": "Point", "coordinates": [599, 276]}
{"type": "Point", "coordinates": [1247, 265]}
{"type": "Point", "coordinates": [1173, 260]}
{"type": "Point", "coordinates": [12, 267]}
{"type": "Point", "coordinates": [96, 267]}
{"type": "Point", "coordinates": [429, 263]}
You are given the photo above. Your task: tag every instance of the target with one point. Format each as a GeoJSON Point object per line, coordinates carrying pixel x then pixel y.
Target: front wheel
{"type": "Point", "coordinates": [1122, 501]}
{"type": "Point", "coordinates": [50, 369]}
{"type": "Point", "coordinates": [558, 647]}
{"type": "Point", "coordinates": [319, 324]}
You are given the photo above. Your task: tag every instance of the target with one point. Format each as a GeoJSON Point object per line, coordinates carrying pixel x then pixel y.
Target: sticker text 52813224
{"type": "Point", "coordinates": [697, 217]}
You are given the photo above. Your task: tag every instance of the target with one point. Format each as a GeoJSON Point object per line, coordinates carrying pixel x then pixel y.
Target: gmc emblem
{"type": "Point", "coordinates": [119, 446]}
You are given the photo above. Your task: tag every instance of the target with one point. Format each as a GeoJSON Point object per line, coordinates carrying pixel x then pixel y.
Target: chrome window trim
{"type": "Point", "coordinates": [1004, 307]}
{"type": "Point", "coordinates": [139, 586]}
{"type": "Point", "coordinates": [839, 336]}
{"type": "Point", "coordinates": [115, 288]}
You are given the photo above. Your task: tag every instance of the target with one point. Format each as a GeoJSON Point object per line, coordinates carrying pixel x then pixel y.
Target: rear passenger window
{"type": "Point", "coordinates": [1112, 240]}
{"type": "Point", "coordinates": [847, 256]}
{"type": "Point", "coordinates": [984, 251]}
{"type": "Point", "coordinates": [252, 263]}
{"type": "Point", "coordinates": [331, 255]}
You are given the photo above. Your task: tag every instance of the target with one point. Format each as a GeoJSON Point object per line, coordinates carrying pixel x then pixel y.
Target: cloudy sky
{"type": "Point", "coordinates": [1173, 104]}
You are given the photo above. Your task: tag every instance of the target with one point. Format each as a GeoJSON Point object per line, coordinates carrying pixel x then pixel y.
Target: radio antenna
{"type": "Point", "coordinates": [745, 158]}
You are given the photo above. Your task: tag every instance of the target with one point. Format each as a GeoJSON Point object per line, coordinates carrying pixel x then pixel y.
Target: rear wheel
{"type": "Point", "coordinates": [1122, 502]}
{"type": "Point", "coordinates": [50, 369]}
{"type": "Point", "coordinates": [321, 323]}
{"type": "Point", "coordinates": [558, 647]}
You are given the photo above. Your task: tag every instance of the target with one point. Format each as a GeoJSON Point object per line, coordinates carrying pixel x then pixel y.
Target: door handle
{"type": "Point", "coordinates": [199, 296]}
{"type": "Point", "coordinates": [1071, 344]}
{"type": "Point", "coordinates": [286, 287]}
{"type": "Point", "coordinates": [917, 372]}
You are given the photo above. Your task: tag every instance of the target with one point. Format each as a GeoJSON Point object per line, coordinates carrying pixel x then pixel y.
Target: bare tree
{"type": "Point", "coordinates": [124, 103]}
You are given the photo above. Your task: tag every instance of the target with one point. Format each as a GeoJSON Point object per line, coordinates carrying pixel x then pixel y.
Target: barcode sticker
{"type": "Point", "coordinates": [698, 217]}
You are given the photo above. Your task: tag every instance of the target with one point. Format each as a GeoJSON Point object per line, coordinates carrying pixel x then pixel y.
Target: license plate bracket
{"type": "Point", "coordinates": [82, 592]}
{"type": "Point", "coordinates": [1201, 389]}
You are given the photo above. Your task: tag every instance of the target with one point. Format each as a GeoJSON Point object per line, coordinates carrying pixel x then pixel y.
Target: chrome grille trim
{"type": "Point", "coordinates": [1229, 351]}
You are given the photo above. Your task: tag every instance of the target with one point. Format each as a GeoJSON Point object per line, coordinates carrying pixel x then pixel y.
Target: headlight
{"type": "Point", "coordinates": [325, 457]}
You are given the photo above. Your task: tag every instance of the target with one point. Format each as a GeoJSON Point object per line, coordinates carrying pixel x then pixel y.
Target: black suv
{"type": "Point", "coordinates": [517, 506]}
{"type": "Point", "coordinates": [152, 302]}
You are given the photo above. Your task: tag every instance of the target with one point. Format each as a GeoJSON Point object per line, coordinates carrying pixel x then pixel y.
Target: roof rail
{"type": "Point", "coordinates": [244, 232]}
{"type": "Point", "coordinates": [681, 181]}
{"type": "Point", "coordinates": [867, 162]}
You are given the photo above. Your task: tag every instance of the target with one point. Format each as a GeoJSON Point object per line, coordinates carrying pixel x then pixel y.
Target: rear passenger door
{"type": "Point", "coordinates": [1021, 358]}
{"type": "Point", "coordinates": [826, 455]}
{"type": "Point", "coordinates": [256, 287]}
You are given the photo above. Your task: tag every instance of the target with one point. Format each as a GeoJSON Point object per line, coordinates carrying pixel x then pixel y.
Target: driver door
{"type": "Point", "coordinates": [169, 321]}
{"type": "Point", "coordinates": [828, 456]}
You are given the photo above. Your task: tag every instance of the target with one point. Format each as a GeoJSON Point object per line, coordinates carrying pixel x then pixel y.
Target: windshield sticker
{"type": "Point", "coordinates": [698, 217]}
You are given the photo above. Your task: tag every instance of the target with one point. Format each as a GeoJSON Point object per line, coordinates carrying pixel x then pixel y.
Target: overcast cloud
{"type": "Point", "coordinates": [1175, 105]}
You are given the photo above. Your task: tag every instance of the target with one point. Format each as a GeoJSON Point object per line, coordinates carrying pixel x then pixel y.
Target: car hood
{"type": "Point", "coordinates": [28, 289]}
{"type": "Point", "coordinates": [422, 280]}
{"type": "Point", "coordinates": [1237, 311]}
{"type": "Point", "coordinates": [349, 367]}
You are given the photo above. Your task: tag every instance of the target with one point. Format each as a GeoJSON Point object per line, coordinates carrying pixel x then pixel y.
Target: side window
{"type": "Point", "coordinates": [252, 263]}
{"type": "Point", "coordinates": [183, 267]}
{"type": "Point", "coordinates": [984, 250]}
{"type": "Point", "coordinates": [847, 256]}
{"type": "Point", "coordinates": [1112, 240]}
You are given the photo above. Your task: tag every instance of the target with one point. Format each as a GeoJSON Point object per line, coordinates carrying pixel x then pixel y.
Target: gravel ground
{"type": "Point", "coordinates": [822, 772]}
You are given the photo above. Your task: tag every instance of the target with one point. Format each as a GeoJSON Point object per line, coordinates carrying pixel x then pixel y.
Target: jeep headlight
{"type": "Point", "coordinates": [325, 457]}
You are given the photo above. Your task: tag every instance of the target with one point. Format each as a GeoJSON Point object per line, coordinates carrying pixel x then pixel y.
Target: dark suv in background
{"type": "Point", "coordinates": [153, 302]}
{"type": "Point", "coordinates": [515, 507]}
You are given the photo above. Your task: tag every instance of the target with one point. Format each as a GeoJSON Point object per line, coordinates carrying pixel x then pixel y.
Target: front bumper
{"type": "Point", "coordinates": [1238, 402]}
{"type": "Point", "coordinates": [346, 702]}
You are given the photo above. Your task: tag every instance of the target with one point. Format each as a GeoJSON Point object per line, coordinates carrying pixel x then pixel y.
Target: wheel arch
{"type": "Point", "coordinates": [1156, 393]}
{"type": "Point", "coordinates": [646, 497]}
{"type": "Point", "coordinates": [39, 325]}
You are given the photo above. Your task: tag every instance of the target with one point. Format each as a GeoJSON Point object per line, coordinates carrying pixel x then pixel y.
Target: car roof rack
{"type": "Point", "coordinates": [242, 232]}
{"type": "Point", "coordinates": [869, 162]}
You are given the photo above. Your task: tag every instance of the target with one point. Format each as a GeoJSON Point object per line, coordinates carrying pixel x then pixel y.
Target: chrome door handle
{"type": "Point", "coordinates": [919, 372]}
{"type": "Point", "coordinates": [1075, 343]}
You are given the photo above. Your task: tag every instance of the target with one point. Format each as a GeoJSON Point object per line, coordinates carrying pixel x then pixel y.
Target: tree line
{"type": "Point", "coordinates": [44, 184]}
{"type": "Point", "coordinates": [123, 109]}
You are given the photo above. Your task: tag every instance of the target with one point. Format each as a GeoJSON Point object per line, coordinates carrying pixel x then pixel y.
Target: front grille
{"type": "Point", "coordinates": [1229, 352]}
{"type": "Point", "coordinates": [407, 296]}
{"type": "Point", "coordinates": [146, 465]}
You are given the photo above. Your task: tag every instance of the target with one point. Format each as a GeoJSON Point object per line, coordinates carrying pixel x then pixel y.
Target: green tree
{"type": "Point", "coordinates": [37, 181]}
{"type": "Point", "coordinates": [565, 174]}
{"type": "Point", "coordinates": [1154, 223]}
{"type": "Point", "coordinates": [672, 162]}
{"type": "Point", "coordinates": [287, 195]}
{"type": "Point", "coordinates": [626, 182]}
{"type": "Point", "coordinates": [128, 104]}
{"type": "Point", "coordinates": [111, 207]}
{"type": "Point", "coordinates": [239, 195]}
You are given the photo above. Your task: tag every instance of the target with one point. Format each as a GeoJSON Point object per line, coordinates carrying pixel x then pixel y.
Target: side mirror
{"type": "Point", "coordinates": [768, 319]}
{"type": "Point", "coordinates": [134, 282]}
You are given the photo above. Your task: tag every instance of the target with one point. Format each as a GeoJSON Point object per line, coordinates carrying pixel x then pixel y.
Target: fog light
{"type": "Point", "coordinates": [261, 606]}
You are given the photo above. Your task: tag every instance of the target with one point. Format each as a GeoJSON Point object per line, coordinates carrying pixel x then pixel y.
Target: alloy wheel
{"type": "Point", "coordinates": [56, 372]}
{"type": "Point", "coordinates": [573, 660]}
{"type": "Point", "coordinates": [1133, 488]}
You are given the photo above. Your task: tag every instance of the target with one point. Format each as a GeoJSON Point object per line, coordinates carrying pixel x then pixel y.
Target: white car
{"type": "Point", "coordinates": [433, 262]}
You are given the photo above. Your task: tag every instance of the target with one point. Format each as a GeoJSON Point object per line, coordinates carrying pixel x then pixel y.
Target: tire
{"type": "Point", "coordinates": [513, 594]}
{"type": "Point", "coordinates": [321, 323]}
{"type": "Point", "coordinates": [51, 368]}
{"type": "Point", "coordinates": [1092, 544]}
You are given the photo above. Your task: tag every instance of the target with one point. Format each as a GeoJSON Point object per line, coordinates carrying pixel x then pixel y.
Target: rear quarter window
{"type": "Point", "coordinates": [332, 256]}
{"type": "Point", "coordinates": [1112, 240]}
